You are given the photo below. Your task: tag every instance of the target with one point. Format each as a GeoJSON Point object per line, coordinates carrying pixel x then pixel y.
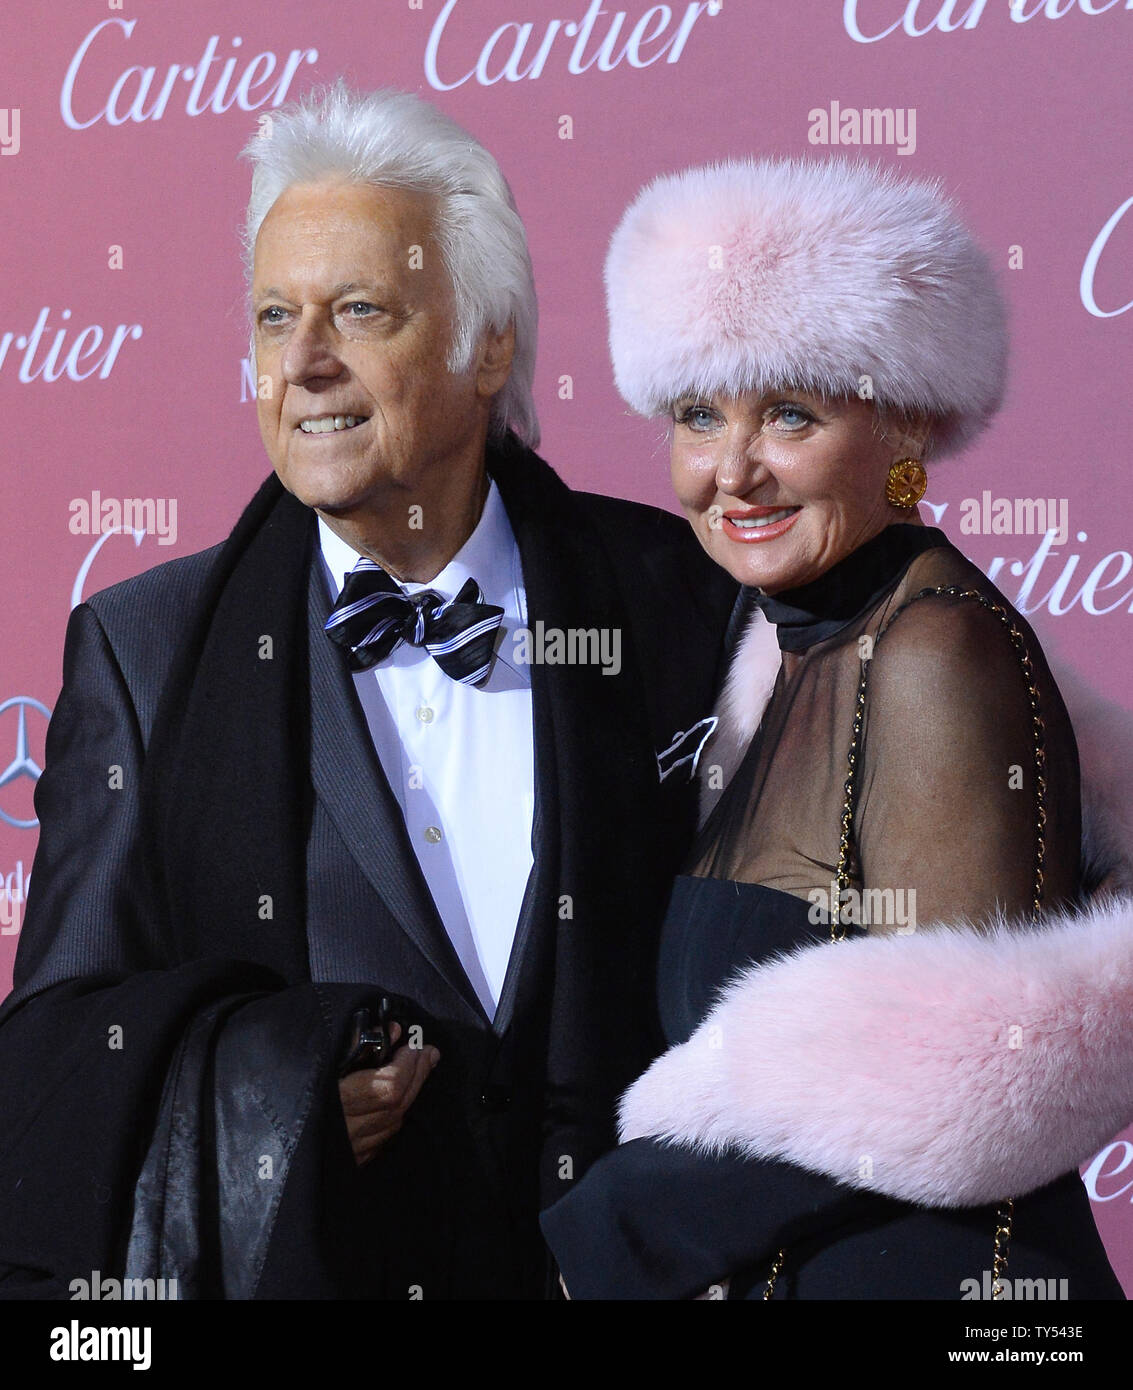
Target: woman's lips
{"type": "Point", "coordinates": [757, 524]}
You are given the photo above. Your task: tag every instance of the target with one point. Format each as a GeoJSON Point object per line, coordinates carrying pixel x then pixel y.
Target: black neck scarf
{"type": "Point", "coordinates": [226, 790]}
{"type": "Point", "coordinates": [816, 611]}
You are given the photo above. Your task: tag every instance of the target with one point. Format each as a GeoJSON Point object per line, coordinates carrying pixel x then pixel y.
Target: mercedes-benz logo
{"type": "Point", "coordinates": [23, 764]}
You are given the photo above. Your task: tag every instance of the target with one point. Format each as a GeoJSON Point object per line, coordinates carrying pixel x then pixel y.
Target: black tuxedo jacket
{"type": "Point", "coordinates": [223, 875]}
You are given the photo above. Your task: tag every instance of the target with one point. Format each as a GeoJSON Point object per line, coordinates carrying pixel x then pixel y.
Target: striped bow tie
{"type": "Point", "coordinates": [373, 616]}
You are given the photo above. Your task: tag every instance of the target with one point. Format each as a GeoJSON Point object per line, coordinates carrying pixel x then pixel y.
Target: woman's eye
{"type": "Point", "coordinates": [792, 416]}
{"type": "Point", "coordinates": [696, 417]}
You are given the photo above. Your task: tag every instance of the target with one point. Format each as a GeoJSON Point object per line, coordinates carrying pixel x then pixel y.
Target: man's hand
{"type": "Point", "coordinates": [374, 1101]}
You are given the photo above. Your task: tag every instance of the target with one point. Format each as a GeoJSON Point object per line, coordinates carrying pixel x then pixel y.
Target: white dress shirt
{"type": "Point", "coordinates": [460, 758]}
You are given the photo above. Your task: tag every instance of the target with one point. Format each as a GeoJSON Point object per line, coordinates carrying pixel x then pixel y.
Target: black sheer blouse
{"type": "Point", "coordinates": [943, 807]}
{"type": "Point", "coordinates": [944, 796]}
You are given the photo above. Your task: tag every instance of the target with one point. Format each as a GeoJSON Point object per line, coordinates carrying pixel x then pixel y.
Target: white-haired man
{"type": "Point", "coordinates": [354, 809]}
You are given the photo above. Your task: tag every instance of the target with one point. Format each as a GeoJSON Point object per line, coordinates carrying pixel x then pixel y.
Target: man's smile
{"type": "Point", "coordinates": [330, 424]}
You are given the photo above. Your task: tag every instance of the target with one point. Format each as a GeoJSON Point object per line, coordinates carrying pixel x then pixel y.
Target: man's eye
{"type": "Point", "coordinates": [364, 309]}
{"type": "Point", "coordinates": [273, 314]}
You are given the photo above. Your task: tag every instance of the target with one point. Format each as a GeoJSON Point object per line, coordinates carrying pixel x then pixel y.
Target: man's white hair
{"type": "Point", "coordinates": [396, 140]}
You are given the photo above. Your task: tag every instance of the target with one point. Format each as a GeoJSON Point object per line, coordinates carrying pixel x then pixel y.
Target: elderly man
{"type": "Point", "coordinates": [380, 770]}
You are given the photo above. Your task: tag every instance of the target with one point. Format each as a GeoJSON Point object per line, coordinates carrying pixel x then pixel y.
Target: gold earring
{"type": "Point", "coordinates": [906, 483]}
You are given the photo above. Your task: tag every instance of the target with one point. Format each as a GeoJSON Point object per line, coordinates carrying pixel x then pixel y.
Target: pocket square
{"type": "Point", "coordinates": [686, 748]}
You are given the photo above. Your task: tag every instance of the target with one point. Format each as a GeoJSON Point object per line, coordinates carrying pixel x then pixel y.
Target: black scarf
{"type": "Point", "coordinates": [227, 782]}
{"type": "Point", "coordinates": [813, 612]}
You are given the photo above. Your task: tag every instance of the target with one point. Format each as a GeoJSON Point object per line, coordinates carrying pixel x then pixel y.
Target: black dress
{"type": "Point", "coordinates": [943, 799]}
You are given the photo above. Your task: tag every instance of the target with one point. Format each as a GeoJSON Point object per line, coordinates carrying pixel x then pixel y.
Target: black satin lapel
{"type": "Point", "coordinates": [348, 778]}
{"type": "Point", "coordinates": [539, 896]}
{"type": "Point", "coordinates": [596, 771]}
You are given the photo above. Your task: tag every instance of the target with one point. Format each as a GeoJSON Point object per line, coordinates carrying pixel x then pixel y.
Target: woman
{"type": "Point", "coordinates": [863, 1117]}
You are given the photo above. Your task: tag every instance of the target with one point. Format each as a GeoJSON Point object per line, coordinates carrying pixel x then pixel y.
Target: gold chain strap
{"type": "Point", "coordinates": [1006, 1213]}
{"type": "Point", "coordinates": [776, 1269]}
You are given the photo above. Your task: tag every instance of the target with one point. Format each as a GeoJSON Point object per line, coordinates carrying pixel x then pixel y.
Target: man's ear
{"type": "Point", "coordinates": [497, 349]}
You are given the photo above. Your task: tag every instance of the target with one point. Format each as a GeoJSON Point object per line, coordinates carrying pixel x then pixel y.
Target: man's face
{"type": "Point", "coordinates": [353, 322]}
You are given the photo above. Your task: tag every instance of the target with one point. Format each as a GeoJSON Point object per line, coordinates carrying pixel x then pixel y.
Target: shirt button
{"type": "Point", "coordinates": [495, 1098]}
{"type": "Point", "coordinates": [433, 834]}
{"type": "Point", "coordinates": [424, 714]}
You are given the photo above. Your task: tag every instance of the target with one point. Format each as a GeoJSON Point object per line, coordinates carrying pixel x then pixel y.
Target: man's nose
{"type": "Point", "coordinates": [310, 350]}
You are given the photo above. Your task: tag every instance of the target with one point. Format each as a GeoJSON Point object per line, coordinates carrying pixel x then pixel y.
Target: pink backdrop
{"type": "Point", "coordinates": [121, 370]}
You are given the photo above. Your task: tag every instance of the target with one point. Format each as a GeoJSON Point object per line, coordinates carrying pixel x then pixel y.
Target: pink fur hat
{"type": "Point", "coordinates": [811, 274]}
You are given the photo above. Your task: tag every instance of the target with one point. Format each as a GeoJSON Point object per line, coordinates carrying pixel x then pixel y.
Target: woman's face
{"type": "Point", "coordinates": [780, 486]}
